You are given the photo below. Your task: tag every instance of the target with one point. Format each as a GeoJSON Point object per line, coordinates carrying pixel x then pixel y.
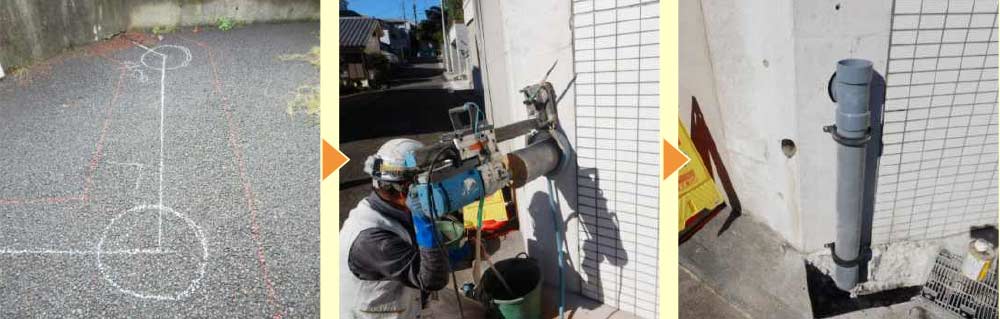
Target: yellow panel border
{"type": "Point", "coordinates": [329, 203]}
{"type": "Point", "coordinates": [668, 188]}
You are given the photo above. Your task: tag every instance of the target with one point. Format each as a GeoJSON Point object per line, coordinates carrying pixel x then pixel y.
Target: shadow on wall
{"type": "Point", "coordinates": [701, 137]}
{"type": "Point", "coordinates": [477, 80]}
{"type": "Point", "coordinates": [600, 239]}
{"type": "Point", "coordinates": [602, 243]}
{"type": "Point", "coordinates": [601, 246]}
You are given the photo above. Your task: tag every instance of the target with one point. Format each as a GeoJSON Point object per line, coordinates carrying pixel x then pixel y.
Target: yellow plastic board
{"type": "Point", "coordinates": [696, 189]}
{"type": "Point", "coordinates": [493, 209]}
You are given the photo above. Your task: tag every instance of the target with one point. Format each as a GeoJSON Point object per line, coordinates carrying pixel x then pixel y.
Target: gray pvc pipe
{"type": "Point", "coordinates": [851, 89]}
{"type": "Point", "coordinates": [852, 92]}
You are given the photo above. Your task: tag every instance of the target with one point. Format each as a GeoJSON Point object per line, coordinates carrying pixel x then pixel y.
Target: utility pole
{"type": "Point", "coordinates": [444, 40]}
{"type": "Point", "coordinates": [415, 20]}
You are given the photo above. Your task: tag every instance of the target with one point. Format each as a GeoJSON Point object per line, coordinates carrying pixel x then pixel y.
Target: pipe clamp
{"type": "Point", "coordinates": [847, 141]}
{"type": "Point", "coordinates": [863, 256]}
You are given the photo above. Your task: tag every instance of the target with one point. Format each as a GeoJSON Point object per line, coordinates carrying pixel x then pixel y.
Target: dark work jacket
{"type": "Point", "coordinates": [379, 254]}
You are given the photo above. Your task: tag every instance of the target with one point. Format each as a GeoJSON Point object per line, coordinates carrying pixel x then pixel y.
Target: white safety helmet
{"type": "Point", "coordinates": [388, 163]}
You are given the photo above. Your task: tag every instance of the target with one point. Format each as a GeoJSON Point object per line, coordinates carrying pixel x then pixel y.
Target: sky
{"type": "Point", "coordinates": [391, 9]}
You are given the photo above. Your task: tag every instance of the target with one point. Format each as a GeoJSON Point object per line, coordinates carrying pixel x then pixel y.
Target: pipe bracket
{"type": "Point", "coordinates": [847, 141]}
{"type": "Point", "coordinates": [829, 88]}
{"type": "Point", "coordinates": [864, 256]}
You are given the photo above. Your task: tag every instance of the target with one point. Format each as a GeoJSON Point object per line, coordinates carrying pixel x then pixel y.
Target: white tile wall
{"type": "Point", "coordinates": [938, 172]}
{"type": "Point", "coordinates": [616, 44]}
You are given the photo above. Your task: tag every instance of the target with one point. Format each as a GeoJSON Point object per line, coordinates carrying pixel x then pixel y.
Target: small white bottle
{"type": "Point", "coordinates": [978, 260]}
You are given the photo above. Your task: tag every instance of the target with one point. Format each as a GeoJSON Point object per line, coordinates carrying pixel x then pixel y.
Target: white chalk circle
{"type": "Point", "coordinates": [200, 254]}
{"type": "Point", "coordinates": [166, 57]}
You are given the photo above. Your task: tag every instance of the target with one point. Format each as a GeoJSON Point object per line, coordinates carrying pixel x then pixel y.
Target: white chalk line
{"type": "Point", "coordinates": [155, 251]}
{"type": "Point", "coordinates": [186, 59]}
{"type": "Point", "coordinates": [163, 77]}
{"type": "Point", "coordinates": [177, 296]}
{"type": "Point", "coordinates": [136, 71]}
{"type": "Point", "coordinates": [98, 252]}
{"type": "Point", "coordinates": [159, 216]}
{"type": "Point", "coordinates": [148, 50]}
{"type": "Point", "coordinates": [160, 208]}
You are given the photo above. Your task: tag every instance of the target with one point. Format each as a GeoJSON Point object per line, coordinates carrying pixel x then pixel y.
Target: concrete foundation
{"type": "Point", "coordinates": [34, 30]}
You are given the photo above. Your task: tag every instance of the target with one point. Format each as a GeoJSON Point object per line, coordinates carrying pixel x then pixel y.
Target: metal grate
{"type": "Point", "coordinates": [938, 171]}
{"type": "Point", "coordinates": [616, 58]}
{"type": "Point", "coordinates": [949, 289]}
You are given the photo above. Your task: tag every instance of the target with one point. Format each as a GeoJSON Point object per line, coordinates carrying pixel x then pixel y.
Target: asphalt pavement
{"type": "Point", "coordinates": [162, 179]}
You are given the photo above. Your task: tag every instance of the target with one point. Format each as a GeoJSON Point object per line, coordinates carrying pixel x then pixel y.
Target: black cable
{"type": "Point", "coordinates": [437, 235]}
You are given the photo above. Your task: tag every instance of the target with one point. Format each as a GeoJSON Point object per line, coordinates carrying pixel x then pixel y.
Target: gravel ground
{"type": "Point", "coordinates": [89, 228]}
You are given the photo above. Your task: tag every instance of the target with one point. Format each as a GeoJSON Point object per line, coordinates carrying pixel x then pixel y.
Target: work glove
{"type": "Point", "coordinates": [423, 226]}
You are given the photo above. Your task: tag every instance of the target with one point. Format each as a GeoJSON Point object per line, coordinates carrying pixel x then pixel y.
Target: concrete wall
{"type": "Point", "coordinates": [751, 51]}
{"type": "Point", "coordinates": [458, 39]}
{"type": "Point", "coordinates": [475, 57]}
{"type": "Point", "coordinates": [611, 259]}
{"type": "Point", "coordinates": [529, 55]}
{"type": "Point", "coordinates": [825, 32]}
{"type": "Point", "coordinates": [32, 30]}
{"type": "Point", "coordinates": [697, 78]}
{"type": "Point", "coordinates": [488, 61]}
{"type": "Point", "coordinates": [509, 53]}
{"type": "Point", "coordinates": [768, 65]}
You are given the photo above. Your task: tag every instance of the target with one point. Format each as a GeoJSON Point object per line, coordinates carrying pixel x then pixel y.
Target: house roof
{"type": "Point", "coordinates": [350, 13]}
{"type": "Point", "coordinates": [355, 31]}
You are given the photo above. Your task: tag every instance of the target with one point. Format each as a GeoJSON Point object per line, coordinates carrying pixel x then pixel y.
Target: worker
{"type": "Point", "coordinates": [389, 261]}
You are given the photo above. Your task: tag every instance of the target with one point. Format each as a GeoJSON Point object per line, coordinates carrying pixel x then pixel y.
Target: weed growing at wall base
{"type": "Point", "coordinates": [158, 30]}
{"type": "Point", "coordinates": [225, 23]}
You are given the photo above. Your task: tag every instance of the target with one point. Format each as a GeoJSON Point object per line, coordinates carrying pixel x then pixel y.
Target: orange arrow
{"type": "Point", "coordinates": [333, 159]}
{"type": "Point", "coordinates": [673, 159]}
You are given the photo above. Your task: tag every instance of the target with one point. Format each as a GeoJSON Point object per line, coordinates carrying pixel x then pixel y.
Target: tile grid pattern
{"type": "Point", "coordinates": [938, 171]}
{"type": "Point", "coordinates": [616, 53]}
